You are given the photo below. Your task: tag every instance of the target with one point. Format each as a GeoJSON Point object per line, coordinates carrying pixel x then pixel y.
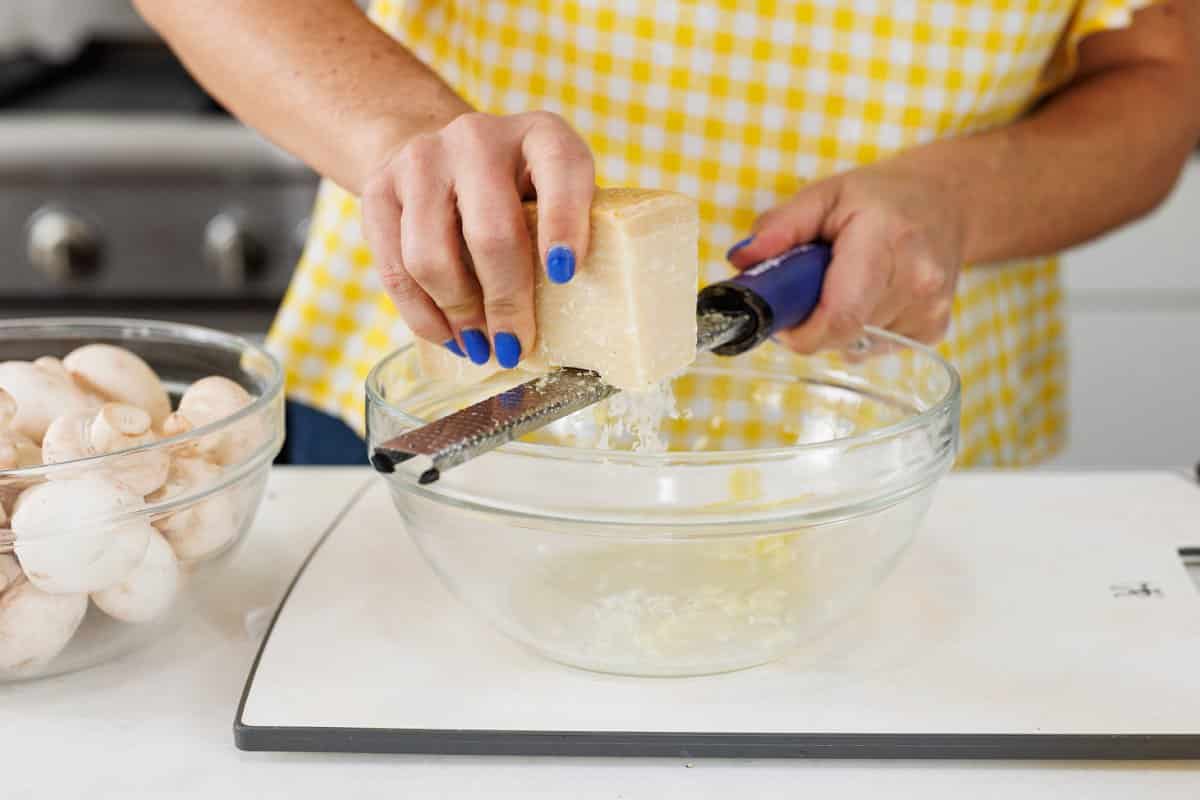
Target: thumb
{"type": "Point", "coordinates": [797, 221]}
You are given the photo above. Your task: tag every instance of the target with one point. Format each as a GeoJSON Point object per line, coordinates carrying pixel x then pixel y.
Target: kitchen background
{"type": "Point", "coordinates": [124, 189]}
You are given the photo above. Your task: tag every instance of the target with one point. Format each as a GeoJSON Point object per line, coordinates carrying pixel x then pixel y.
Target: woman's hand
{"type": "Point", "coordinates": [443, 217]}
{"type": "Point", "coordinates": [897, 237]}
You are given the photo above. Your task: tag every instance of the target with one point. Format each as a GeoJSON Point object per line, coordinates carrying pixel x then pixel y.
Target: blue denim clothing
{"type": "Point", "coordinates": [316, 438]}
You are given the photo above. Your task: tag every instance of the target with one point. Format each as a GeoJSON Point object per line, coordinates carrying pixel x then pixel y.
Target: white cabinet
{"type": "Point", "coordinates": [1133, 306]}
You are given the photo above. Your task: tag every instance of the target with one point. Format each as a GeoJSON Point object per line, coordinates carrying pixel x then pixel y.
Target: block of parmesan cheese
{"type": "Point", "coordinates": [630, 311]}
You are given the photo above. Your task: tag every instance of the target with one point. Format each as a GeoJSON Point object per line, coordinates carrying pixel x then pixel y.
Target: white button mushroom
{"type": "Point", "coordinates": [18, 451]}
{"type": "Point", "coordinates": [66, 539]}
{"type": "Point", "coordinates": [10, 570]}
{"type": "Point", "coordinates": [116, 426]}
{"type": "Point", "coordinates": [148, 591]}
{"type": "Point", "coordinates": [209, 400]}
{"type": "Point", "coordinates": [11, 488]}
{"type": "Point", "coordinates": [55, 366]}
{"type": "Point", "coordinates": [8, 408]}
{"type": "Point", "coordinates": [205, 527]}
{"type": "Point", "coordinates": [118, 375]}
{"type": "Point", "coordinates": [42, 393]}
{"type": "Point", "coordinates": [35, 626]}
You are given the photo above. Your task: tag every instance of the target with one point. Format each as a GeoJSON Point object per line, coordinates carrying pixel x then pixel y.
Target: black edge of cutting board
{"type": "Point", "coordinates": [417, 741]}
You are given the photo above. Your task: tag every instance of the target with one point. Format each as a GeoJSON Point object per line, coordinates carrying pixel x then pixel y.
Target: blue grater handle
{"type": "Point", "coordinates": [778, 294]}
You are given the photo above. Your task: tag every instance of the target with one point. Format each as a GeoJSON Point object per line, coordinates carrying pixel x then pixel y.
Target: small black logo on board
{"type": "Point", "coordinates": [1139, 589]}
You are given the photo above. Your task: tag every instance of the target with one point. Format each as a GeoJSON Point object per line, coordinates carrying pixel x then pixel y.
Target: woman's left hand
{"type": "Point", "coordinates": [898, 238]}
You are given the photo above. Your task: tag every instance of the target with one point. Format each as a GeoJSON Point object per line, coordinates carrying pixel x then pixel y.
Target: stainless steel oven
{"type": "Point", "coordinates": [126, 189]}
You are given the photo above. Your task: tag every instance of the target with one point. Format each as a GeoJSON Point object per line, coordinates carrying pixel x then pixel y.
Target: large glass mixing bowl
{"type": "Point", "coordinates": [772, 502]}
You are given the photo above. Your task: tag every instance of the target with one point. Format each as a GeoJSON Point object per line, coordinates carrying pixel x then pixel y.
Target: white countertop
{"type": "Point", "coordinates": [158, 723]}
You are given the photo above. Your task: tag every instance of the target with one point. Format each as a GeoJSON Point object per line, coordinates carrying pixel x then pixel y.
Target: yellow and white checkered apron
{"type": "Point", "coordinates": [737, 104]}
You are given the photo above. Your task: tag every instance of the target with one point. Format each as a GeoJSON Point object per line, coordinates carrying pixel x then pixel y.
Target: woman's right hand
{"type": "Point", "coordinates": [443, 217]}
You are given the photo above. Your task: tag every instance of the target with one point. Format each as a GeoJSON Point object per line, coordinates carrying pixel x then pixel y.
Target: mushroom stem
{"type": "Point", "coordinates": [209, 400]}
{"type": "Point", "coordinates": [113, 428]}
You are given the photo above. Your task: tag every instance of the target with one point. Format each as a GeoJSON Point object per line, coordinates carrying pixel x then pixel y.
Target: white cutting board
{"type": "Point", "coordinates": [1037, 615]}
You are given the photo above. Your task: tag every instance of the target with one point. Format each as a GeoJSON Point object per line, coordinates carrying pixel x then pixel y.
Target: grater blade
{"type": "Point", "coordinates": [488, 424]}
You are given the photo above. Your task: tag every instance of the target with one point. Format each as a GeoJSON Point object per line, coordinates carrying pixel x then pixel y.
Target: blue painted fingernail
{"type": "Point", "coordinates": [729, 253]}
{"type": "Point", "coordinates": [477, 346]}
{"type": "Point", "coordinates": [508, 350]}
{"type": "Point", "coordinates": [560, 264]}
{"type": "Point", "coordinates": [453, 347]}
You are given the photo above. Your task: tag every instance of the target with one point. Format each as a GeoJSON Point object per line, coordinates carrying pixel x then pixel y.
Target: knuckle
{"type": "Point", "coordinates": [473, 128]}
{"type": "Point", "coordinates": [422, 269]}
{"type": "Point", "coordinates": [452, 292]}
{"type": "Point", "coordinates": [936, 330]}
{"type": "Point", "coordinates": [463, 305]}
{"type": "Point", "coordinates": [928, 280]}
{"type": "Point", "coordinates": [846, 322]}
{"type": "Point", "coordinates": [564, 151]}
{"type": "Point", "coordinates": [418, 156]}
{"type": "Point", "coordinates": [491, 243]}
{"type": "Point", "coordinates": [504, 306]}
{"type": "Point", "coordinates": [547, 119]}
{"type": "Point", "coordinates": [556, 137]}
{"type": "Point", "coordinates": [545, 115]}
{"type": "Point", "coordinates": [905, 232]}
{"type": "Point", "coordinates": [400, 286]}
{"type": "Point", "coordinates": [445, 282]}
{"type": "Point", "coordinates": [425, 327]}
{"type": "Point", "coordinates": [376, 187]}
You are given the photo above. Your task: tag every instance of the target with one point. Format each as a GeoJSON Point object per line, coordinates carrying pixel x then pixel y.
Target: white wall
{"type": "Point", "coordinates": [1133, 302]}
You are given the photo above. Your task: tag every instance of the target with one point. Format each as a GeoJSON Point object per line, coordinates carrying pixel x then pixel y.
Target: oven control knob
{"type": "Point", "coordinates": [62, 246]}
{"type": "Point", "coordinates": [232, 251]}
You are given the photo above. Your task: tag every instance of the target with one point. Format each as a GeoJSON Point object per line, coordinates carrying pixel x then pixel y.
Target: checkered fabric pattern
{"type": "Point", "coordinates": [737, 104]}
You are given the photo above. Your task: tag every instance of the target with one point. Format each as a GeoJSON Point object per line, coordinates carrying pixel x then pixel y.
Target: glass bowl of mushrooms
{"type": "Point", "coordinates": [133, 458]}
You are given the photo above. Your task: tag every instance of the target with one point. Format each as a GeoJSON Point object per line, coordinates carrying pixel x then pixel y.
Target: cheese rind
{"type": "Point", "coordinates": [630, 311]}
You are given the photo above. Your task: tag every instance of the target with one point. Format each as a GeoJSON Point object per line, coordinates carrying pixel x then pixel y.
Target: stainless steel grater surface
{"type": "Point", "coordinates": [488, 424]}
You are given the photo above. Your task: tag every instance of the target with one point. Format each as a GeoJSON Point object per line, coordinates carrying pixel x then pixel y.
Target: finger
{"type": "Point", "coordinates": [564, 178]}
{"type": "Point", "coordinates": [493, 226]}
{"type": "Point", "coordinates": [431, 250]}
{"type": "Point", "coordinates": [801, 219]}
{"type": "Point", "coordinates": [897, 294]}
{"type": "Point", "coordinates": [928, 288]}
{"type": "Point", "coordinates": [870, 346]}
{"type": "Point", "coordinates": [854, 287]}
{"type": "Point", "coordinates": [890, 309]}
{"type": "Point", "coordinates": [929, 324]}
{"type": "Point", "coordinates": [382, 229]}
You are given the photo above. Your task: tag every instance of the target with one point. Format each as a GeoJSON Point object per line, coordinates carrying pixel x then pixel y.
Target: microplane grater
{"type": "Point", "coordinates": [732, 317]}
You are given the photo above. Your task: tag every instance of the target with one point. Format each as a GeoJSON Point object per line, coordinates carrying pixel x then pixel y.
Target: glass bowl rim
{"type": "Point", "coordinates": [152, 328]}
{"type": "Point", "coordinates": [922, 419]}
